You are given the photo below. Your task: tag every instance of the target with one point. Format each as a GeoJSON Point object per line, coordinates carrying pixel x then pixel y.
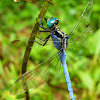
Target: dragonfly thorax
{"type": "Point", "coordinates": [60, 39]}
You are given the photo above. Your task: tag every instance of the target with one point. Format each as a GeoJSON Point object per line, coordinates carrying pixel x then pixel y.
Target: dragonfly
{"type": "Point", "coordinates": [62, 42]}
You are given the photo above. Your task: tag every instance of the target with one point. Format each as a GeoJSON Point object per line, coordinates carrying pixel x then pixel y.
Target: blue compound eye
{"type": "Point", "coordinates": [51, 21]}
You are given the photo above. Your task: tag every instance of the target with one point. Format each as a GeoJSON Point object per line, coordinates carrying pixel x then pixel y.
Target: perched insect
{"type": "Point", "coordinates": [55, 31]}
{"type": "Point", "coordinates": [61, 41]}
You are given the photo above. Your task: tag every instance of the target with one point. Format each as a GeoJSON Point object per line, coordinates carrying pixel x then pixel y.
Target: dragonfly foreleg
{"type": "Point", "coordinates": [45, 19]}
{"type": "Point", "coordinates": [42, 25]}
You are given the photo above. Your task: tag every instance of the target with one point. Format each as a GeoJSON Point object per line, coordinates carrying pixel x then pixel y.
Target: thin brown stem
{"type": "Point", "coordinates": [31, 42]}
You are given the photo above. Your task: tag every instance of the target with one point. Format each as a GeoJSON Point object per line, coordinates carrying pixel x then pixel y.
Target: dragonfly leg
{"type": "Point", "coordinates": [45, 40]}
{"type": "Point", "coordinates": [44, 31]}
{"type": "Point", "coordinates": [42, 25]}
{"type": "Point", "coordinates": [45, 19]}
{"type": "Point", "coordinates": [39, 43]}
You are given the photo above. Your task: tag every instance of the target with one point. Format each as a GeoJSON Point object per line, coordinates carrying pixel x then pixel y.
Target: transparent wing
{"type": "Point", "coordinates": [77, 43]}
{"type": "Point", "coordinates": [41, 73]}
{"type": "Point", "coordinates": [79, 33]}
{"type": "Point", "coordinates": [36, 77]}
{"type": "Point", "coordinates": [82, 22]}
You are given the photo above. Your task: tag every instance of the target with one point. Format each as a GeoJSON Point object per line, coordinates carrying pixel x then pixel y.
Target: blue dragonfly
{"type": "Point", "coordinates": [62, 42]}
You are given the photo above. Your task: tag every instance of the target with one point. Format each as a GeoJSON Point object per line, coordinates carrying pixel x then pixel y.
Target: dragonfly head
{"type": "Point", "coordinates": [51, 22]}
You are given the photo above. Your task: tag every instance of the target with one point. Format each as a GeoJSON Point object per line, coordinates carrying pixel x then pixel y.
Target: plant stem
{"type": "Point", "coordinates": [31, 42]}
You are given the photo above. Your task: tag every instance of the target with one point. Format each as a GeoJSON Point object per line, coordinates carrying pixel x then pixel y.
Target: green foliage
{"type": "Point", "coordinates": [16, 22]}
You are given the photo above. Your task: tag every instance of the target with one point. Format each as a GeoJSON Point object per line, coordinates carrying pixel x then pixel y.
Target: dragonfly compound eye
{"type": "Point", "coordinates": [52, 21]}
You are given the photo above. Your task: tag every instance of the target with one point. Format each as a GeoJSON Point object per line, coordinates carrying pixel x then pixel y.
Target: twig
{"type": "Point", "coordinates": [31, 41]}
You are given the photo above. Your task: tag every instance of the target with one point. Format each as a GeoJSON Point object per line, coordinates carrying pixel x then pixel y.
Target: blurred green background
{"type": "Point", "coordinates": [17, 21]}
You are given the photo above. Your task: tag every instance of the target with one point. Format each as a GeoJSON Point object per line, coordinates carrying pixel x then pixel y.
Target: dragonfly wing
{"type": "Point", "coordinates": [82, 22]}
{"type": "Point", "coordinates": [77, 43]}
{"type": "Point", "coordinates": [36, 77]}
{"type": "Point", "coordinates": [80, 31]}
